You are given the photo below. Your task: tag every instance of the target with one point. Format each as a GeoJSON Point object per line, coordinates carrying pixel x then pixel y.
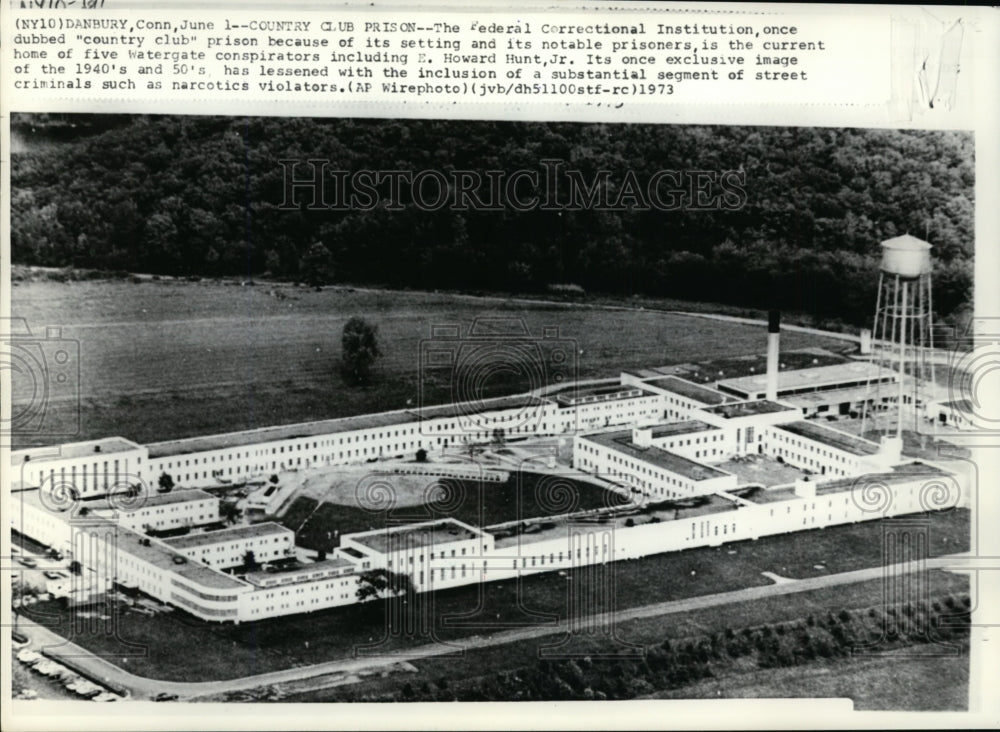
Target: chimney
{"type": "Point", "coordinates": [773, 328]}
{"type": "Point", "coordinates": [866, 342]}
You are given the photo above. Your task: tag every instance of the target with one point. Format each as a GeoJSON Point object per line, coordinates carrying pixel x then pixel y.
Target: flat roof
{"type": "Point", "coordinates": [772, 495]}
{"type": "Point", "coordinates": [734, 410]}
{"type": "Point", "coordinates": [642, 373]}
{"type": "Point", "coordinates": [163, 557]}
{"type": "Point", "coordinates": [829, 396]}
{"type": "Point", "coordinates": [577, 387]}
{"type": "Point", "coordinates": [434, 533]}
{"type": "Point", "coordinates": [909, 472]}
{"type": "Point", "coordinates": [164, 499]}
{"type": "Point", "coordinates": [236, 533]}
{"type": "Point", "coordinates": [691, 390]}
{"type": "Point", "coordinates": [259, 436]}
{"type": "Point", "coordinates": [72, 450]}
{"type": "Point", "coordinates": [819, 377]}
{"type": "Point", "coordinates": [301, 570]}
{"type": "Point", "coordinates": [462, 409]}
{"type": "Point", "coordinates": [565, 528]}
{"type": "Point", "coordinates": [248, 438]}
{"type": "Point", "coordinates": [831, 437]}
{"type": "Point", "coordinates": [603, 392]}
{"type": "Point", "coordinates": [156, 553]}
{"type": "Point", "coordinates": [622, 442]}
{"type": "Point", "coordinates": [685, 427]}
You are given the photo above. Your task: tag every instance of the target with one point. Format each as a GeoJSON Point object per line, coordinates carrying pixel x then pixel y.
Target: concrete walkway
{"type": "Point", "coordinates": [144, 688]}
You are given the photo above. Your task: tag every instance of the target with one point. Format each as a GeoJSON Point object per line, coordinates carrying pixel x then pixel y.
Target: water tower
{"type": "Point", "coordinates": [902, 331]}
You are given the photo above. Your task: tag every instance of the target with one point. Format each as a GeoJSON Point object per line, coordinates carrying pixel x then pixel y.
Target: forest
{"type": "Point", "coordinates": [206, 196]}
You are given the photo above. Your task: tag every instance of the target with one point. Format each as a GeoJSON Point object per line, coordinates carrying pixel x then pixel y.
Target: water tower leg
{"type": "Point", "coordinates": [902, 363]}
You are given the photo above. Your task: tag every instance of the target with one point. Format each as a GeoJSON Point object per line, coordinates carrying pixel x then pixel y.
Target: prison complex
{"type": "Point", "coordinates": [650, 435]}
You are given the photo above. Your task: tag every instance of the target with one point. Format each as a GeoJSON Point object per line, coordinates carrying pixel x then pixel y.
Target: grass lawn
{"type": "Point", "coordinates": [170, 359]}
{"type": "Point", "coordinates": [226, 651]}
{"type": "Point", "coordinates": [874, 684]}
{"type": "Point", "coordinates": [524, 495]}
{"type": "Point", "coordinates": [491, 661]}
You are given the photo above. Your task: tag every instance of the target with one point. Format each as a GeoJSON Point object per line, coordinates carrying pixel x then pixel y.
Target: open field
{"type": "Point", "coordinates": [173, 640]}
{"type": "Point", "coordinates": [169, 359]}
{"type": "Point", "coordinates": [522, 496]}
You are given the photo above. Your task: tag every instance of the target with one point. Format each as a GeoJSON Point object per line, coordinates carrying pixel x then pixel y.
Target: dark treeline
{"type": "Point", "coordinates": [203, 196]}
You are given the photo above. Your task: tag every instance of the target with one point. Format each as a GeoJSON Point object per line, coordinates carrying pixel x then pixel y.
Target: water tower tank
{"type": "Point", "coordinates": [906, 256]}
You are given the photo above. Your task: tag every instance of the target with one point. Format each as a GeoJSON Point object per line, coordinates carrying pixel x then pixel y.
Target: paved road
{"type": "Point", "coordinates": [143, 688]}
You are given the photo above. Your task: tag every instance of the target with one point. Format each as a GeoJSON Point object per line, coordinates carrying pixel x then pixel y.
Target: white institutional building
{"type": "Point", "coordinates": [658, 436]}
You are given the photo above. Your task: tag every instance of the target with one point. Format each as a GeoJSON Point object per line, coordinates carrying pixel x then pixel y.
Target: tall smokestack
{"type": "Point", "coordinates": [773, 330]}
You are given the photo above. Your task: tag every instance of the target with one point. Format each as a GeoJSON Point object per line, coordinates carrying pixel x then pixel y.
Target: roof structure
{"type": "Point", "coordinates": [430, 534]}
{"type": "Point", "coordinates": [621, 442]}
{"type": "Point", "coordinates": [691, 390]}
{"type": "Point", "coordinates": [104, 446]}
{"type": "Point", "coordinates": [302, 572]}
{"type": "Point", "coordinates": [249, 438]}
{"type": "Point", "coordinates": [810, 379]}
{"type": "Point", "coordinates": [831, 437]}
{"type": "Point", "coordinates": [161, 499]}
{"type": "Point", "coordinates": [685, 427]}
{"type": "Point", "coordinates": [736, 410]}
{"type": "Point", "coordinates": [237, 533]}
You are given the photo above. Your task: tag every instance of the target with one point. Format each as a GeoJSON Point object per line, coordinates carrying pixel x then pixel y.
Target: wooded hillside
{"type": "Point", "coordinates": [203, 195]}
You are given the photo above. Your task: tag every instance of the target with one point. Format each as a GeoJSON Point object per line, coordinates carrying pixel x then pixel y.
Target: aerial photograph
{"type": "Point", "coordinates": [415, 410]}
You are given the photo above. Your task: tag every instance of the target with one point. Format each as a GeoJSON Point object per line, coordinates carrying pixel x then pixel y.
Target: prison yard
{"type": "Point", "coordinates": [165, 359]}
{"type": "Point", "coordinates": [523, 495]}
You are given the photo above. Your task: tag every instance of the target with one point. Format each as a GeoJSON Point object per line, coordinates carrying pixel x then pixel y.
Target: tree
{"type": "Point", "coordinates": [166, 483]}
{"type": "Point", "coordinates": [360, 350]}
{"type": "Point", "coordinates": [378, 582]}
{"type": "Point", "coordinates": [230, 511]}
{"type": "Point", "coordinates": [498, 436]}
{"type": "Point", "coordinates": [316, 265]}
{"type": "Point", "coordinates": [421, 455]}
{"type": "Point", "coordinates": [250, 560]}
